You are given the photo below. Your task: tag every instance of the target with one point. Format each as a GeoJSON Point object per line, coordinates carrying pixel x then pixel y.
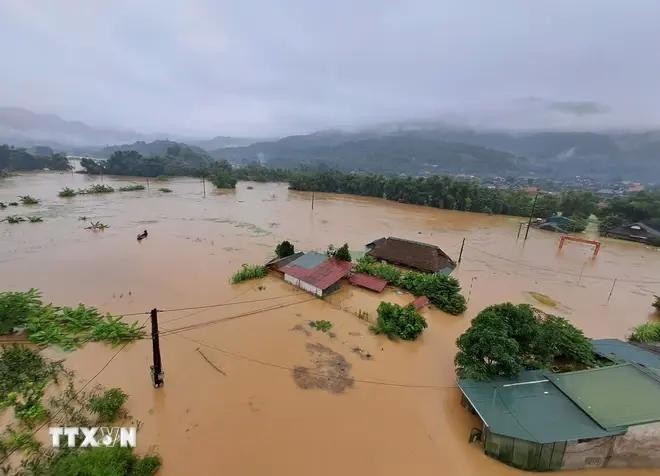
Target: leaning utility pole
{"type": "Point", "coordinates": [312, 200]}
{"type": "Point", "coordinates": [529, 223]}
{"type": "Point", "coordinates": [156, 368]}
{"type": "Point", "coordinates": [460, 255]}
{"type": "Point", "coordinates": [204, 185]}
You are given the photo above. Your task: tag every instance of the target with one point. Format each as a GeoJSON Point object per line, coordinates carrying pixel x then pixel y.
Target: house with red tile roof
{"type": "Point", "coordinates": [316, 273]}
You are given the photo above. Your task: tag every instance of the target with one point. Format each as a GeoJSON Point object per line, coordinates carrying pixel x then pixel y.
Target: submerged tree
{"type": "Point", "coordinates": [342, 253]}
{"type": "Point", "coordinates": [284, 249]}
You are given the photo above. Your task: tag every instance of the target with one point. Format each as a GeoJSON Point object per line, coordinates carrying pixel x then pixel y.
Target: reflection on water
{"type": "Point", "coordinates": [402, 413]}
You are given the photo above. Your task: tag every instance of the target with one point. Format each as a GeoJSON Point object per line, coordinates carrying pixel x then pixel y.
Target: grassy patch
{"type": "Point", "coordinates": [131, 188]}
{"type": "Point", "coordinates": [647, 332]}
{"type": "Point", "coordinates": [67, 192]}
{"type": "Point", "coordinates": [322, 325]}
{"type": "Point", "coordinates": [249, 271]}
{"type": "Point", "coordinates": [109, 461]}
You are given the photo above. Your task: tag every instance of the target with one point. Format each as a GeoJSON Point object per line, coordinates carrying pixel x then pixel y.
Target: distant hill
{"type": "Point", "coordinates": [153, 149]}
{"type": "Point", "coordinates": [220, 142]}
{"type": "Point", "coordinates": [21, 127]}
{"type": "Point", "coordinates": [418, 151]}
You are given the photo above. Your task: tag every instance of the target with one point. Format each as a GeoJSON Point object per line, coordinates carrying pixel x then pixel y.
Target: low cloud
{"type": "Point", "coordinates": [578, 108]}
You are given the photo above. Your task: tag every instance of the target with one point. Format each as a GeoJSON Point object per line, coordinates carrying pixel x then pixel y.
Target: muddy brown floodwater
{"type": "Point", "coordinates": [238, 406]}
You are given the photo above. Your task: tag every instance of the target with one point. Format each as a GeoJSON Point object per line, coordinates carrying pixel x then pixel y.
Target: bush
{"type": "Point", "coordinates": [249, 271]}
{"type": "Point", "coordinates": [103, 461]}
{"type": "Point", "coordinates": [17, 307]}
{"type": "Point", "coordinates": [342, 253]}
{"type": "Point", "coordinates": [108, 406]}
{"type": "Point", "coordinates": [96, 188]}
{"type": "Point", "coordinates": [506, 338]}
{"type": "Point", "coordinates": [647, 332]}
{"type": "Point", "coordinates": [322, 325]}
{"type": "Point", "coordinates": [131, 188]}
{"type": "Point", "coordinates": [656, 303]}
{"type": "Point", "coordinates": [398, 321]}
{"type": "Point", "coordinates": [284, 249]}
{"type": "Point", "coordinates": [443, 291]}
{"type": "Point", "coordinates": [28, 200]}
{"type": "Point", "coordinates": [165, 190]}
{"type": "Point", "coordinates": [67, 192]}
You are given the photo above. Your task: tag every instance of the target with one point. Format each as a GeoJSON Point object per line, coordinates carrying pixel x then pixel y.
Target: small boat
{"type": "Point", "coordinates": [142, 235]}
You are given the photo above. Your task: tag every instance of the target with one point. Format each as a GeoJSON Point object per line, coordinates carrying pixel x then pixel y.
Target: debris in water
{"type": "Point", "coordinates": [362, 353]}
{"type": "Point", "coordinates": [331, 371]}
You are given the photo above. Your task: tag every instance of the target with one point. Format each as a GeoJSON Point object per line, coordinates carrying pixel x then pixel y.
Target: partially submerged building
{"type": "Point", "coordinates": [640, 232]}
{"type": "Point", "coordinates": [315, 273]}
{"type": "Point", "coordinates": [411, 254]}
{"type": "Point", "coordinates": [603, 417]}
{"type": "Point", "coordinates": [368, 282]}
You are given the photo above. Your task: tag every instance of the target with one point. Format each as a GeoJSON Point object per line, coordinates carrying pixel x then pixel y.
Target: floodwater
{"type": "Point", "coordinates": [230, 404]}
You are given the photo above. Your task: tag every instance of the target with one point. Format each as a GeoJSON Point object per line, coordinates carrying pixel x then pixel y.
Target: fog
{"type": "Point", "coordinates": [251, 68]}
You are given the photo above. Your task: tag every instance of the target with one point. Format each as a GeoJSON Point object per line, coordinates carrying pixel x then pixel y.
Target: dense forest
{"type": "Point", "coordinates": [12, 159]}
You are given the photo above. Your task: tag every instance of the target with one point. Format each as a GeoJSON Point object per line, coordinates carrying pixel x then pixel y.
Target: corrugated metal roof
{"type": "Point", "coordinates": [529, 407]}
{"type": "Point", "coordinates": [616, 397]}
{"type": "Point", "coordinates": [624, 352]}
{"type": "Point", "coordinates": [322, 275]}
{"type": "Point", "coordinates": [369, 282]}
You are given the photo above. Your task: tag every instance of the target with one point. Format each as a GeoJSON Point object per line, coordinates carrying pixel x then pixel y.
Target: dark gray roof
{"type": "Point", "coordinates": [624, 352]}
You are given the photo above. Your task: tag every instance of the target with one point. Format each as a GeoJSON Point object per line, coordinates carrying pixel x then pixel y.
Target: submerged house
{"type": "Point", "coordinates": [603, 417]}
{"type": "Point", "coordinates": [411, 254]}
{"type": "Point", "coordinates": [640, 232]}
{"type": "Point", "coordinates": [315, 273]}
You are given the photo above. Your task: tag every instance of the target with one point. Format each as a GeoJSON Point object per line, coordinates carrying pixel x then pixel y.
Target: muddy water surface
{"type": "Point", "coordinates": [231, 403]}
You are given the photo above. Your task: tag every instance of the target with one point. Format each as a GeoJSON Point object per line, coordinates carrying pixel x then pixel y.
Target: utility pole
{"type": "Point", "coordinates": [460, 255]}
{"type": "Point", "coordinates": [156, 368]}
{"type": "Point", "coordinates": [312, 200]}
{"type": "Point", "coordinates": [147, 184]}
{"type": "Point", "coordinates": [204, 185]}
{"type": "Point", "coordinates": [519, 228]}
{"type": "Point", "coordinates": [529, 223]}
{"type": "Point", "coordinates": [611, 290]}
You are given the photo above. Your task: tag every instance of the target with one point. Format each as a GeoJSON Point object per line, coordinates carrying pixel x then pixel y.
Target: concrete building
{"type": "Point", "coordinates": [603, 417]}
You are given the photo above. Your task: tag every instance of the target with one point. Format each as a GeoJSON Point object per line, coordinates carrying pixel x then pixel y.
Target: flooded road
{"type": "Point", "coordinates": [230, 404]}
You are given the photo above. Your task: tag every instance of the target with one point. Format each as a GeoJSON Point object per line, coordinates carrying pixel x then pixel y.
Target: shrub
{"type": "Point", "coordinates": [284, 249]}
{"type": "Point", "coordinates": [96, 188]}
{"type": "Point", "coordinates": [249, 271]}
{"type": "Point", "coordinates": [342, 253]}
{"type": "Point", "coordinates": [108, 406]}
{"type": "Point", "coordinates": [656, 303]}
{"type": "Point", "coordinates": [165, 190]}
{"type": "Point", "coordinates": [17, 307]}
{"type": "Point", "coordinates": [443, 291]}
{"type": "Point", "coordinates": [647, 332]}
{"type": "Point", "coordinates": [506, 338]}
{"type": "Point", "coordinates": [398, 321]}
{"type": "Point", "coordinates": [13, 219]}
{"type": "Point", "coordinates": [322, 325]}
{"type": "Point", "coordinates": [67, 192]}
{"type": "Point", "coordinates": [35, 219]}
{"type": "Point", "coordinates": [28, 200]}
{"type": "Point", "coordinates": [131, 188]}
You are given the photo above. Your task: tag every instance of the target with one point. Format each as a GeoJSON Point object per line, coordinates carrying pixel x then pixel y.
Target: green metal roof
{"type": "Point", "coordinates": [530, 407]}
{"type": "Point", "coordinates": [624, 352]}
{"type": "Point", "coordinates": [615, 397]}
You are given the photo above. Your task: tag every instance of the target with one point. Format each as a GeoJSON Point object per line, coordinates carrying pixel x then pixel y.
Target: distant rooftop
{"type": "Point", "coordinates": [411, 254]}
{"type": "Point", "coordinates": [624, 352]}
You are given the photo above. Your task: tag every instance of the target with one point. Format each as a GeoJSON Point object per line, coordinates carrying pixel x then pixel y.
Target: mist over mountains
{"type": "Point", "coordinates": [414, 148]}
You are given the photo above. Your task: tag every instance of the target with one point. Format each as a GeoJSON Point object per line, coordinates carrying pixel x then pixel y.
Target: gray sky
{"type": "Point", "coordinates": [261, 68]}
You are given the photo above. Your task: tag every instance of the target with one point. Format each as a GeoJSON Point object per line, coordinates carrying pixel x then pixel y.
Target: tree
{"type": "Point", "coordinates": [342, 253]}
{"type": "Point", "coordinates": [399, 321]}
{"type": "Point", "coordinates": [506, 338]}
{"type": "Point", "coordinates": [284, 249]}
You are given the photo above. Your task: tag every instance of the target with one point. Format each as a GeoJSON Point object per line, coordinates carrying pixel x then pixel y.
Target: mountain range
{"type": "Point", "coordinates": [410, 148]}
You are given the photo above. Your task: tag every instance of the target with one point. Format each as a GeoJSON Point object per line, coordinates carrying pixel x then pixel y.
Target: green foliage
{"type": "Point", "coordinates": [97, 226]}
{"type": "Point", "coordinates": [249, 271]}
{"type": "Point", "coordinates": [67, 192]}
{"type": "Point", "coordinates": [342, 253]}
{"type": "Point", "coordinates": [108, 406]}
{"type": "Point", "coordinates": [398, 321]}
{"type": "Point", "coordinates": [17, 307]}
{"type": "Point", "coordinates": [12, 158]}
{"type": "Point", "coordinates": [18, 440]}
{"type": "Point", "coordinates": [14, 219]}
{"type": "Point", "coordinates": [443, 291]}
{"type": "Point", "coordinates": [322, 325]}
{"type": "Point", "coordinates": [35, 219]}
{"type": "Point", "coordinates": [165, 190]}
{"type": "Point", "coordinates": [103, 461]}
{"type": "Point", "coordinates": [506, 338]}
{"type": "Point", "coordinates": [220, 174]}
{"type": "Point", "coordinates": [96, 188]}
{"type": "Point", "coordinates": [70, 328]}
{"type": "Point", "coordinates": [647, 332]}
{"type": "Point", "coordinates": [284, 249]}
{"type": "Point", "coordinates": [28, 200]}
{"type": "Point", "coordinates": [640, 206]}
{"type": "Point", "coordinates": [131, 188]}
{"type": "Point", "coordinates": [91, 167]}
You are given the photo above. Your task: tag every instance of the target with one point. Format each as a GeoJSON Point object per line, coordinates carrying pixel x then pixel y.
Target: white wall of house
{"type": "Point", "coordinates": [303, 285]}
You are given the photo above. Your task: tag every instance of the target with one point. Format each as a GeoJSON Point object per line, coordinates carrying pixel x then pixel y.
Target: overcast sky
{"type": "Point", "coordinates": [259, 68]}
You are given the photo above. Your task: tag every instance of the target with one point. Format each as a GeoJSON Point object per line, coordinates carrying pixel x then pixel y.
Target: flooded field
{"type": "Point", "coordinates": [238, 395]}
